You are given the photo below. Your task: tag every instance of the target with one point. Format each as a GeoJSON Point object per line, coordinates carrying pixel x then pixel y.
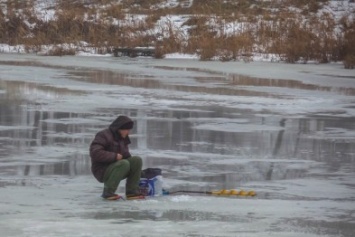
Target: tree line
{"type": "Point", "coordinates": [214, 31]}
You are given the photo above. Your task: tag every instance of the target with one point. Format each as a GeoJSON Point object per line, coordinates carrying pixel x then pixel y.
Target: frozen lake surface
{"type": "Point", "coordinates": [285, 131]}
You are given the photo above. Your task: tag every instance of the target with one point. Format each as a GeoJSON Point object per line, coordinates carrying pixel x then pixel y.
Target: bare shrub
{"type": "Point", "coordinates": [159, 52]}
{"type": "Point", "coordinates": [115, 11]}
{"type": "Point", "coordinates": [349, 62]}
{"type": "Point", "coordinates": [322, 38]}
{"type": "Point", "coordinates": [208, 48]}
{"type": "Point", "coordinates": [60, 51]}
{"type": "Point", "coordinates": [348, 44]}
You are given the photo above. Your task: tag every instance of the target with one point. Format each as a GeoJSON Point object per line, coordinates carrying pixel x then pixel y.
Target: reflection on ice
{"type": "Point", "coordinates": [289, 84]}
{"type": "Point", "coordinates": [244, 140]}
{"type": "Point", "coordinates": [63, 168]}
{"type": "Point", "coordinates": [196, 85]}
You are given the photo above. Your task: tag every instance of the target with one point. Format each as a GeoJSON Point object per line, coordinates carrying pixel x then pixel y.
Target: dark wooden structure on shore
{"type": "Point", "coordinates": [134, 52]}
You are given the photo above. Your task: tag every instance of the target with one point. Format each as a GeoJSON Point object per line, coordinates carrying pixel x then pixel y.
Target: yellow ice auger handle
{"type": "Point", "coordinates": [233, 192]}
{"type": "Point", "coordinates": [222, 192]}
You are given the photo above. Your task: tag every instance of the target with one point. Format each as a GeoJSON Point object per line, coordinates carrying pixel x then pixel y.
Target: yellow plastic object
{"type": "Point", "coordinates": [243, 193]}
{"type": "Point", "coordinates": [251, 193]}
{"type": "Point", "coordinates": [225, 192]}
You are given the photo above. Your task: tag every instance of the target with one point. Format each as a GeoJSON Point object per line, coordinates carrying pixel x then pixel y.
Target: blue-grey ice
{"type": "Point", "coordinates": [284, 131]}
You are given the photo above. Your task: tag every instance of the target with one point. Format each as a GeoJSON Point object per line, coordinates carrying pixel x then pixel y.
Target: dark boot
{"type": "Point", "coordinates": [109, 195]}
{"type": "Point", "coordinates": [134, 195]}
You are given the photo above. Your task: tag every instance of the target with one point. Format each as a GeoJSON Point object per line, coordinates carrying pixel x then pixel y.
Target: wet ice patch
{"type": "Point", "coordinates": [30, 74]}
{"type": "Point", "coordinates": [92, 102]}
{"type": "Point", "coordinates": [41, 155]}
{"type": "Point", "coordinates": [76, 120]}
{"type": "Point", "coordinates": [234, 127]}
{"type": "Point", "coordinates": [218, 120]}
{"type": "Point", "coordinates": [242, 160]}
{"type": "Point", "coordinates": [303, 189]}
{"type": "Point", "coordinates": [69, 135]}
{"type": "Point", "coordinates": [184, 198]}
{"type": "Point", "coordinates": [5, 128]}
{"type": "Point", "coordinates": [334, 134]}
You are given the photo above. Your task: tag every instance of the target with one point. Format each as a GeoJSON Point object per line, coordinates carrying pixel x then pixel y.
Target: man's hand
{"type": "Point", "coordinates": [119, 157]}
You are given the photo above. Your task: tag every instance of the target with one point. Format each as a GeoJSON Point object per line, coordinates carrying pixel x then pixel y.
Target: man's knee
{"type": "Point", "coordinates": [135, 161]}
{"type": "Point", "coordinates": [122, 164]}
{"type": "Point", "coordinates": [120, 167]}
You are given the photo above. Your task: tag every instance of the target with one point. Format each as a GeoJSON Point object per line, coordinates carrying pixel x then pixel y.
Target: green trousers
{"type": "Point", "coordinates": [128, 168]}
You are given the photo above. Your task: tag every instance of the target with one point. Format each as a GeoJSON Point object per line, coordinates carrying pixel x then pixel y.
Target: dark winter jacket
{"type": "Point", "coordinates": [106, 145]}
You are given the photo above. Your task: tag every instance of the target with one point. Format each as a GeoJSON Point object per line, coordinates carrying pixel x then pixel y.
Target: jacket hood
{"type": "Point", "coordinates": [119, 122]}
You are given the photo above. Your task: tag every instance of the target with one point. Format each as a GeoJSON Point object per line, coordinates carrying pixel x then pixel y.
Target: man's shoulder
{"type": "Point", "coordinates": [104, 132]}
